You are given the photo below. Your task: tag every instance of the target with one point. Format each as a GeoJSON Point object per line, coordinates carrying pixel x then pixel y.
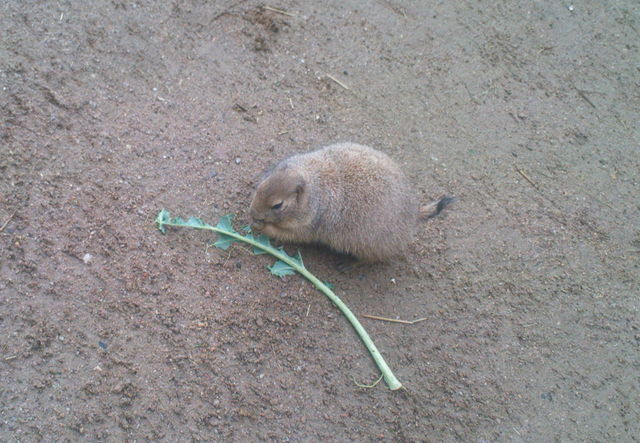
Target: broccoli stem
{"type": "Point", "coordinates": [390, 379]}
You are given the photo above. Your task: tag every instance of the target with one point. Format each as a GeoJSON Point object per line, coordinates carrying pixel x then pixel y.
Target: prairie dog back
{"type": "Point", "coordinates": [350, 197]}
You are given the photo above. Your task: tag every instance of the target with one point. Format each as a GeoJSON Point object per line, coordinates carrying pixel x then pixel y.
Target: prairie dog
{"type": "Point", "coordinates": [350, 197]}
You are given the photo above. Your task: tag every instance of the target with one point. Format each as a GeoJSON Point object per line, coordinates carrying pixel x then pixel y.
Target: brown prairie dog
{"type": "Point", "coordinates": [349, 197]}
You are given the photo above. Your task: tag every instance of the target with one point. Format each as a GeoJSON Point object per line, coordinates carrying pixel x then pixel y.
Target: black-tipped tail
{"type": "Point", "coordinates": [439, 206]}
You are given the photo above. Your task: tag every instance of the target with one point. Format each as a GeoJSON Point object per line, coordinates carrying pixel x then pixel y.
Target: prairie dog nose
{"type": "Point", "coordinates": [257, 224]}
{"type": "Point", "coordinates": [254, 214]}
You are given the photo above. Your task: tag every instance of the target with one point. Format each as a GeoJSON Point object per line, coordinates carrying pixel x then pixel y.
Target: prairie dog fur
{"type": "Point", "coordinates": [349, 197]}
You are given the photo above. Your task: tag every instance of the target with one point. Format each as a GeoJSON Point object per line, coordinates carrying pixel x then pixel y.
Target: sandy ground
{"type": "Point", "coordinates": [526, 111]}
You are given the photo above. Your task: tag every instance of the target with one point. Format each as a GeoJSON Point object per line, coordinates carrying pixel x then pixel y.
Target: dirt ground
{"type": "Point", "coordinates": [526, 111]}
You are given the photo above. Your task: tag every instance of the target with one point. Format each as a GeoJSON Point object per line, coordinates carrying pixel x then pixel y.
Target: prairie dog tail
{"type": "Point", "coordinates": [434, 208]}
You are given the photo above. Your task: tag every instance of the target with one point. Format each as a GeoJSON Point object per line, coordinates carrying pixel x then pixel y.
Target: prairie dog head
{"type": "Point", "coordinates": [279, 203]}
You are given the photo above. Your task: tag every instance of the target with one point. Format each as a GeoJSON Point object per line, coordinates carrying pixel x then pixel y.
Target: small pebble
{"type": "Point", "coordinates": [86, 258]}
{"type": "Point", "coordinates": [237, 160]}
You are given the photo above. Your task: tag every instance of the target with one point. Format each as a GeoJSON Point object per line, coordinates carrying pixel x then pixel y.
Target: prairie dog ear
{"type": "Point", "coordinates": [294, 182]}
{"type": "Point", "coordinates": [301, 185]}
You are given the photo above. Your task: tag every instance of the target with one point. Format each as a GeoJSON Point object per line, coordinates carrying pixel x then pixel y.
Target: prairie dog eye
{"type": "Point", "coordinates": [277, 206]}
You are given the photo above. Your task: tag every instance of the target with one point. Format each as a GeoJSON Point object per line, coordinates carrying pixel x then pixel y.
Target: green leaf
{"type": "Point", "coordinates": [297, 258]}
{"type": "Point", "coordinates": [263, 240]}
{"type": "Point", "coordinates": [224, 242]}
{"type": "Point", "coordinates": [195, 222]}
{"type": "Point", "coordinates": [329, 285]}
{"type": "Point", "coordinates": [281, 269]}
{"type": "Point", "coordinates": [162, 218]}
{"type": "Point", "coordinates": [226, 224]}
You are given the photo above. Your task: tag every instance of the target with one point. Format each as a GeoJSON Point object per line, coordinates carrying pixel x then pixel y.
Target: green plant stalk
{"type": "Point", "coordinates": [389, 378]}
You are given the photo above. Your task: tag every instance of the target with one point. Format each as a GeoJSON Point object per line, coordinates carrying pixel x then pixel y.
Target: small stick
{"type": "Point", "coordinates": [373, 385]}
{"type": "Point", "coordinates": [279, 11]}
{"type": "Point", "coordinates": [526, 177]}
{"type": "Point", "coordinates": [11, 357]}
{"type": "Point", "coordinates": [8, 220]}
{"type": "Point", "coordinates": [516, 431]}
{"type": "Point", "coordinates": [585, 98]}
{"type": "Point", "coordinates": [291, 102]}
{"type": "Point", "coordinates": [227, 259]}
{"type": "Point", "coordinates": [338, 81]}
{"type": "Point", "coordinates": [393, 320]}
{"type": "Point", "coordinates": [473, 99]}
{"type": "Point", "coordinates": [308, 308]}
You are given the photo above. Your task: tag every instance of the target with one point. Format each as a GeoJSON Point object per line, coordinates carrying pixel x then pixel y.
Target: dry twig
{"type": "Point", "coordinates": [393, 320]}
{"type": "Point", "coordinates": [338, 81]}
{"type": "Point", "coordinates": [279, 11]}
{"type": "Point", "coordinates": [4, 225]}
{"type": "Point", "coordinates": [526, 177]}
{"type": "Point", "coordinates": [373, 385]}
{"type": "Point", "coordinates": [582, 95]}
